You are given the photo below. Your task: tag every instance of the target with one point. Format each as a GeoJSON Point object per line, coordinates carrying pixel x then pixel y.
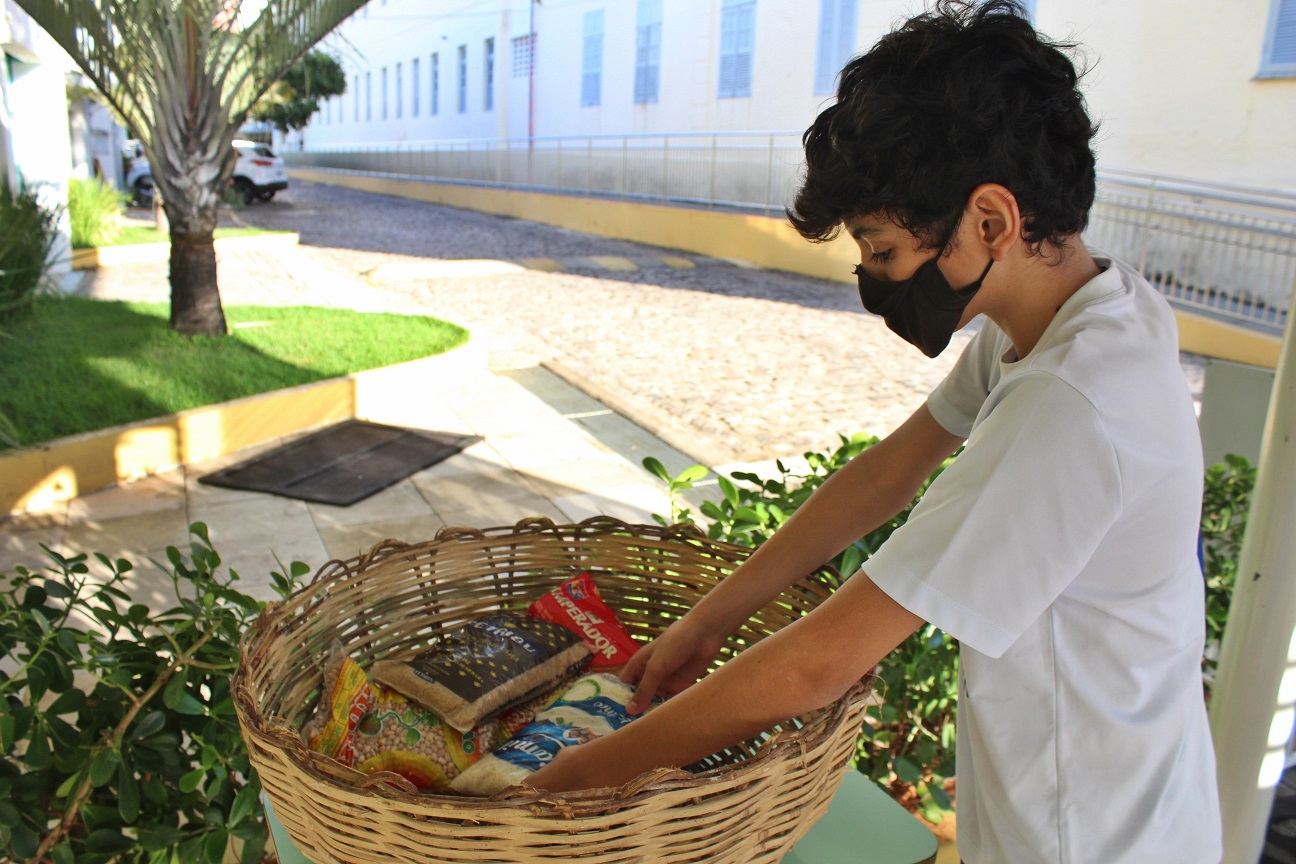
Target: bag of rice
{"type": "Point", "coordinates": [593, 706]}
{"type": "Point", "coordinates": [577, 605]}
{"type": "Point", "coordinates": [371, 728]}
{"type": "Point", "coordinates": [487, 665]}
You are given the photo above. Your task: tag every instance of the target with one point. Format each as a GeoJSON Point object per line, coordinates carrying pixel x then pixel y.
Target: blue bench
{"type": "Point", "coordinates": [862, 826]}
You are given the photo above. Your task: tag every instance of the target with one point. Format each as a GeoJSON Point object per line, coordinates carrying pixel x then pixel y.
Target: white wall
{"type": "Point", "coordinates": [1173, 81]}
{"type": "Point", "coordinates": [384, 34]}
{"type": "Point", "coordinates": [1176, 90]}
{"type": "Point", "coordinates": [35, 116]}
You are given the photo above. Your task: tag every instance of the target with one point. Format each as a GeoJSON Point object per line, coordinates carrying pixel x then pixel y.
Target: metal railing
{"type": "Point", "coordinates": [1226, 250]}
{"type": "Point", "coordinates": [746, 170]}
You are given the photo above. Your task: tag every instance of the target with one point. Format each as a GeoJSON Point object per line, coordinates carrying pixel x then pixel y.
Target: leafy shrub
{"type": "Point", "coordinates": [1225, 504]}
{"type": "Point", "coordinates": [118, 738]}
{"type": "Point", "coordinates": [26, 242]}
{"type": "Point", "coordinates": [907, 744]}
{"type": "Point", "coordinates": [95, 210]}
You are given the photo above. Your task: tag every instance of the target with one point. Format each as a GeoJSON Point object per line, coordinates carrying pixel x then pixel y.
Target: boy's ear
{"type": "Point", "coordinates": [997, 218]}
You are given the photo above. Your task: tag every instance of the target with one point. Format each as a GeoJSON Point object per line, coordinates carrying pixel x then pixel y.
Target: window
{"type": "Point", "coordinates": [434, 94]}
{"type": "Point", "coordinates": [836, 42]}
{"type": "Point", "coordinates": [400, 97]}
{"type": "Point", "coordinates": [368, 96]}
{"type": "Point", "coordinates": [592, 60]}
{"type": "Point", "coordinates": [648, 26]}
{"type": "Point", "coordinates": [737, 40]}
{"type": "Point", "coordinates": [414, 87]}
{"type": "Point", "coordinates": [463, 79]}
{"type": "Point", "coordinates": [384, 92]}
{"type": "Point", "coordinates": [1279, 57]}
{"type": "Point", "coordinates": [523, 55]}
{"type": "Point", "coordinates": [489, 101]}
{"type": "Point", "coordinates": [356, 91]}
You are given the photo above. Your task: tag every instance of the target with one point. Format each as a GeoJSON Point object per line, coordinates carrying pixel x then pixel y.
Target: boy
{"type": "Point", "coordinates": [1058, 548]}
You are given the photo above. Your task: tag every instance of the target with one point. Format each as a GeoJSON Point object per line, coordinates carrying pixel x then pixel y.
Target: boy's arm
{"type": "Point", "coordinates": [867, 491]}
{"type": "Point", "coordinates": [804, 666]}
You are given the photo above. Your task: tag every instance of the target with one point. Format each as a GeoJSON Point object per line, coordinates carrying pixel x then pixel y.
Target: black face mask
{"type": "Point", "coordinates": [924, 309]}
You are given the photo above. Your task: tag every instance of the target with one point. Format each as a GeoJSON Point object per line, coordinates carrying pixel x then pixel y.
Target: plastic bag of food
{"type": "Point", "coordinates": [488, 665]}
{"type": "Point", "coordinates": [347, 697]}
{"type": "Point", "coordinates": [371, 728]}
{"type": "Point", "coordinates": [577, 605]}
{"type": "Point", "coordinates": [593, 706]}
{"type": "Point", "coordinates": [399, 736]}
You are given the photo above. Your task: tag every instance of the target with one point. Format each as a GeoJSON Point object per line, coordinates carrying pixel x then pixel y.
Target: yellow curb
{"type": "Point", "coordinates": [1210, 338]}
{"type": "Point", "coordinates": [38, 477]}
{"type": "Point", "coordinates": [548, 265]}
{"type": "Point", "coordinates": [613, 262]}
{"type": "Point", "coordinates": [144, 253]}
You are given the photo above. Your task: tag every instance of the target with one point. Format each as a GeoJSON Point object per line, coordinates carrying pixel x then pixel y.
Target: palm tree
{"type": "Point", "coordinates": [184, 74]}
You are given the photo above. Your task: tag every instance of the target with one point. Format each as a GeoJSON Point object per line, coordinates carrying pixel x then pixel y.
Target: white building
{"type": "Point", "coordinates": [35, 147]}
{"type": "Point", "coordinates": [1182, 87]}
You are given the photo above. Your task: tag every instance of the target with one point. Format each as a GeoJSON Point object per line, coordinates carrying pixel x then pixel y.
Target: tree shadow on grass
{"type": "Point", "coordinates": [78, 365]}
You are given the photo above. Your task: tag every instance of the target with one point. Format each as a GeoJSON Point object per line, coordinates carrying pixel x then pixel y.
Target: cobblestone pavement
{"type": "Point", "coordinates": [729, 363]}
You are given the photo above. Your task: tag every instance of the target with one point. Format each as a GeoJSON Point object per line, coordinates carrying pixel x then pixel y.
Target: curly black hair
{"type": "Point", "coordinates": [965, 94]}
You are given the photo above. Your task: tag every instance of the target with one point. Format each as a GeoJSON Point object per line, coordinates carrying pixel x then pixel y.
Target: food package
{"type": "Point", "coordinates": [371, 728]}
{"type": "Point", "coordinates": [487, 665]}
{"type": "Point", "coordinates": [577, 605]}
{"type": "Point", "coordinates": [593, 706]}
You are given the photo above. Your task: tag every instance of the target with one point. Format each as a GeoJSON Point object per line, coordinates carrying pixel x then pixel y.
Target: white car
{"type": "Point", "coordinates": [258, 173]}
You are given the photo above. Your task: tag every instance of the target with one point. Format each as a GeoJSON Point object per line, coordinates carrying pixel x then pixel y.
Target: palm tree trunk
{"type": "Point", "coordinates": [195, 299]}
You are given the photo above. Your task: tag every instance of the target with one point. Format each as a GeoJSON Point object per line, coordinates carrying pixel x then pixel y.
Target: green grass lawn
{"type": "Point", "coordinates": [77, 365]}
{"type": "Point", "coordinates": [136, 234]}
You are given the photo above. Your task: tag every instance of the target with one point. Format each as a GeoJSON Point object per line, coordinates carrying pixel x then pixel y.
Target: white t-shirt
{"type": "Point", "coordinates": [1059, 548]}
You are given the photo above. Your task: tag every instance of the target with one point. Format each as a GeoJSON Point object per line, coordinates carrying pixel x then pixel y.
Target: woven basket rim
{"type": "Point", "coordinates": [277, 733]}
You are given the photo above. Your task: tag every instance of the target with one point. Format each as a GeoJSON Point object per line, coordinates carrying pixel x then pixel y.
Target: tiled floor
{"type": "Point", "coordinates": [539, 455]}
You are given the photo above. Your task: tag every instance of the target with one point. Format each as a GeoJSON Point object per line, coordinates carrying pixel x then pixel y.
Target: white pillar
{"type": "Point", "coordinates": [1254, 698]}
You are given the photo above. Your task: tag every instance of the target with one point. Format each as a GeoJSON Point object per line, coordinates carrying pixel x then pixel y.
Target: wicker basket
{"type": "Point", "coordinates": [747, 804]}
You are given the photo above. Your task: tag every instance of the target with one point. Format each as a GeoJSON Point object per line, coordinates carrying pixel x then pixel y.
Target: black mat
{"type": "Point", "coordinates": [342, 464]}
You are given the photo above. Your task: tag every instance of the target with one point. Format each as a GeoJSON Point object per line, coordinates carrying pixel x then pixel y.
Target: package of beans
{"type": "Point", "coordinates": [368, 727]}
{"type": "Point", "coordinates": [486, 666]}
{"type": "Point", "coordinates": [577, 605]}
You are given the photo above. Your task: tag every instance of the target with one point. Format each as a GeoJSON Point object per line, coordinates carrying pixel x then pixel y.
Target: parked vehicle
{"type": "Point", "coordinates": [258, 173]}
{"type": "Point", "coordinates": [138, 175]}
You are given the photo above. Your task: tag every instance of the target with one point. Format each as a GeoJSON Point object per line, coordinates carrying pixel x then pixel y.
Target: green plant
{"type": "Point", "coordinates": [94, 208]}
{"type": "Point", "coordinates": [118, 362]}
{"type": "Point", "coordinates": [1225, 503]}
{"type": "Point", "coordinates": [30, 232]}
{"type": "Point", "coordinates": [118, 738]}
{"type": "Point", "coordinates": [907, 743]}
{"type": "Point", "coordinates": [295, 98]}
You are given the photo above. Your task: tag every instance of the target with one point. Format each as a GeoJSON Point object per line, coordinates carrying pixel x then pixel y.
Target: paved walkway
{"type": "Point", "coordinates": [730, 364]}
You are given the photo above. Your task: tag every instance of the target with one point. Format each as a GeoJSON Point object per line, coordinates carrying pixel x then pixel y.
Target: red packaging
{"type": "Point", "coordinates": [577, 605]}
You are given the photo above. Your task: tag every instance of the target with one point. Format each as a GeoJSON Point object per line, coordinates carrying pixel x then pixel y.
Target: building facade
{"type": "Point", "coordinates": [1181, 88]}
{"type": "Point", "coordinates": [35, 147]}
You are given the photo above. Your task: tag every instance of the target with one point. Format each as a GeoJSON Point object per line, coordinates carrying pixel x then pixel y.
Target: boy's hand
{"type": "Point", "coordinates": [671, 663]}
